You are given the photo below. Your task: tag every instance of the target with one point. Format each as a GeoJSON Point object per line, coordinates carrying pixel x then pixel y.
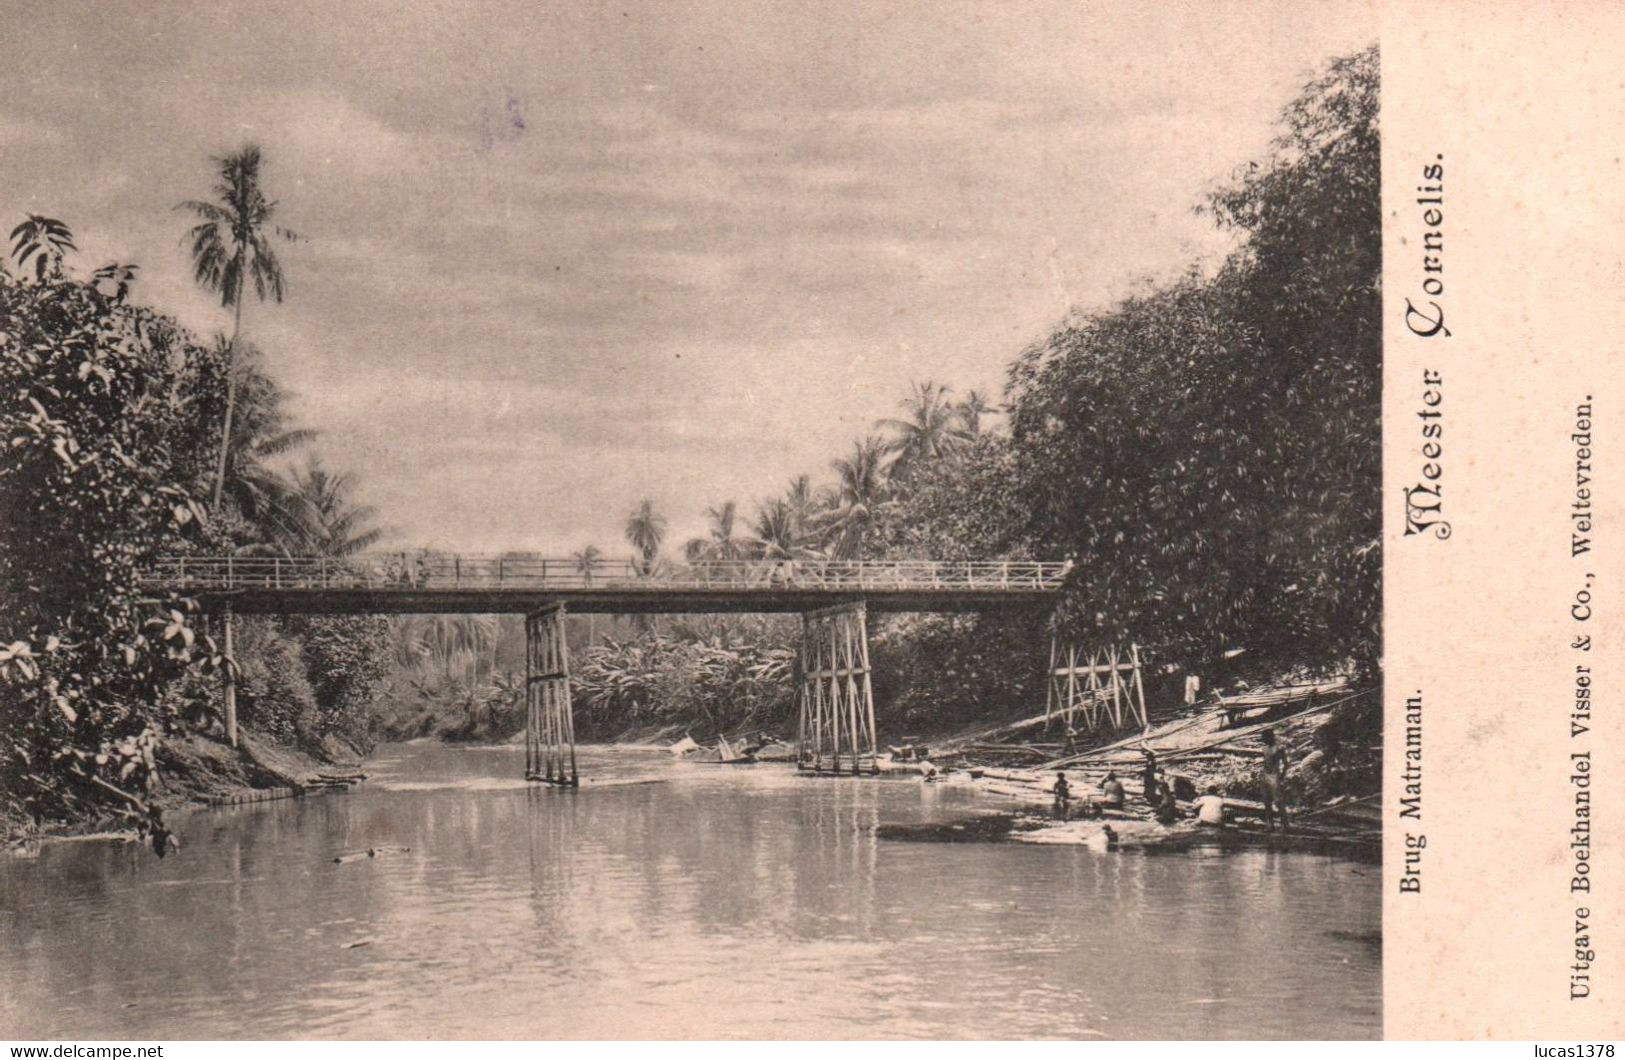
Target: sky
{"type": "Point", "coordinates": [560, 257]}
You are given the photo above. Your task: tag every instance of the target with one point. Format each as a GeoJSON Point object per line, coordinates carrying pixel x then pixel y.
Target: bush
{"type": "Point", "coordinates": [347, 660]}
{"type": "Point", "coordinates": [105, 411]}
{"type": "Point", "coordinates": [717, 682]}
{"type": "Point", "coordinates": [936, 671]}
{"type": "Point", "coordinates": [274, 696]}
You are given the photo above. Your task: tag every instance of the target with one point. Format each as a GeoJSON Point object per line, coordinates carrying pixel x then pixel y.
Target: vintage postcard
{"type": "Point", "coordinates": [855, 520]}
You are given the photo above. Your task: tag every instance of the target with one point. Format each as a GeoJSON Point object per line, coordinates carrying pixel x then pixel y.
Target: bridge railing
{"type": "Point", "coordinates": [431, 570]}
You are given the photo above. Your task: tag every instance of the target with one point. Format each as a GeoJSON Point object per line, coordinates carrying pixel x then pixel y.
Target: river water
{"type": "Point", "coordinates": [717, 902]}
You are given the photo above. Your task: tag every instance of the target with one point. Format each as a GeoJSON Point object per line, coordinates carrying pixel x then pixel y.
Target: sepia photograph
{"type": "Point", "coordinates": [721, 520]}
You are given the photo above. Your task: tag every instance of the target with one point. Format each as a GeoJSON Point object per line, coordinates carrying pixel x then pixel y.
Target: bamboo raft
{"type": "Point", "coordinates": [315, 784]}
{"type": "Point", "coordinates": [243, 798]}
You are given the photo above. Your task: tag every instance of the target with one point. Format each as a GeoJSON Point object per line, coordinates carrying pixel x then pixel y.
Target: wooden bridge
{"type": "Point", "coordinates": [430, 583]}
{"type": "Point", "coordinates": [837, 714]}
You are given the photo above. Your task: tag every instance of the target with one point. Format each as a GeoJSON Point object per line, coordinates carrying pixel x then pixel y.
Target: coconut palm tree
{"type": "Point", "coordinates": [971, 409]}
{"type": "Point", "coordinates": [721, 544]}
{"type": "Point", "coordinates": [774, 534]}
{"type": "Point", "coordinates": [231, 245]}
{"type": "Point", "coordinates": [801, 501]}
{"type": "Point", "coordinates": [586, 562]}
{"type": "Point", "coordinates": [860, 496]}
{"type": "Point", "coordinates": [645, 531]}
{"type": "Point", "coordinates": [932, 430]}
{"type": "Point", "coordinates": [441, 641]}
{"type": "Point", "coordinates": [333, 524]}
{"type": "Point", "coordinates": [782, 531]}
{"type": "Point", "coordinates": [261, 433]}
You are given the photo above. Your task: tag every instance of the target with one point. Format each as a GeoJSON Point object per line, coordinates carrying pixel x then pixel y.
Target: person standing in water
{"type": "Point", "coordinates": [1167, 808]}
{"type": "Point", "coordinates": [1112, 791]}
{"type": "Point", "coordinates": [1274, 780]}
{"type": "Point", "coordinates": [1063, 796]}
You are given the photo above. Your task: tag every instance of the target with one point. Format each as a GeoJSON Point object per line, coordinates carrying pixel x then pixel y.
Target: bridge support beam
{"type": "Point", "coordinates": [1103, 687]}
{"type": "Point", "coordinates": [550, 733]}
{"type": "Point", "coordinates": [230, 678]}
{"type": "Point", "coordinates": [837, 726]}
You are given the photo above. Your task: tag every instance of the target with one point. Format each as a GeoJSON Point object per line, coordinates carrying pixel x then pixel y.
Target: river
{"type": "Point", "coordinates": [718, 902]}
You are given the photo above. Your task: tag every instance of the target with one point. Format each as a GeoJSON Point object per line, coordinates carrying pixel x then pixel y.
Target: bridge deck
{"type": "Point", "coordinates": [407, 583]}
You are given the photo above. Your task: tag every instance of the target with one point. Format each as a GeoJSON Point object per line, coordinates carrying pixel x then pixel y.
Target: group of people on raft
{"type": "Point", "coordinates": [1209, 807]}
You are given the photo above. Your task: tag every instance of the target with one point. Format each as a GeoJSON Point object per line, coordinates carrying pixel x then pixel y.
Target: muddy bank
{"type": "Point", "coordinates": [196, 771]}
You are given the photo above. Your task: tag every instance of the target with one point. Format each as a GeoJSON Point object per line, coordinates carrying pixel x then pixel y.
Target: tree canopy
{"type": "Point", "coordinates": [105, 409]}
{"type": "Point", "coordinates": [1210, 452]}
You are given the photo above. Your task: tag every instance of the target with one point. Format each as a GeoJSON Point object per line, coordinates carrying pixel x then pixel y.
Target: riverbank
{"type": "Point", "coordinates": [198, 770]}
{"type": "Point", "coordinates": [1331, 733]}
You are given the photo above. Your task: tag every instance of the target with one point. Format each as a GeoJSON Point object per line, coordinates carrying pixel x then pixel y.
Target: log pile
{"type": "Point", "coordinates": [1195, 752]}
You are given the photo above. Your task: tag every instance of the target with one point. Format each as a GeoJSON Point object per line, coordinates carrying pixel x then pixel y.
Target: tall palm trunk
{"type": "Point", "coordinates": [231, 392]}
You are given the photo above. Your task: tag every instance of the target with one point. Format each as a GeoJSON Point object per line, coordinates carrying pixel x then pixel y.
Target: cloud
{"type": "Point", "coordinates": [17, 132]}
{"type": "Point", "coordinates": [534, 290]}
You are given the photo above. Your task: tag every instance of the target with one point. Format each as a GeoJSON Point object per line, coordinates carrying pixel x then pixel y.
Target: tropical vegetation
{"type": "Point", "coordinates": [112, 412]}
{"type": "Point", "coordinates": [1205, 452]}
{"type": "Point", "coordinates": [231, 245]}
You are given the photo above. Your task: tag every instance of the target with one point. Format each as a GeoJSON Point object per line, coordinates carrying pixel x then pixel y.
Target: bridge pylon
{"type": "Point", "coordinates": [836, 732]}
{"type": "Point", "coordinates": [550, 733]}
{"type": "Point", "coordinates": [1105, 688]}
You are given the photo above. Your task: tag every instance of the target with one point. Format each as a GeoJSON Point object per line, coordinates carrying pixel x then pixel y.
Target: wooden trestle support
{"type": "Point", "coordinates": [550, 733]}
{"type": "Point", "coordinates": [1108, 689]}
{"type": "Point", "coordinates": [837, 727]}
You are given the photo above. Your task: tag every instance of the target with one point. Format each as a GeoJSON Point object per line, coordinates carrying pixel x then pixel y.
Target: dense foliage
{"type": "Point", "coordinates": [1206, 453]}
{"type": "Point", "coordinates": [1210, 452]}
{"type": "Point", "coordinates": [347, 660]}
{"type": "Point", "coordinates": [110, 414]}
{"type": "Point", "coordinates": [716, 676]}
{"type": "Point", "coordinates": [105, 409]}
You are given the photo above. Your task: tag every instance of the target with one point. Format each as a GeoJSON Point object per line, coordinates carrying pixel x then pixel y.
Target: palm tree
{"type": "Point", "coordinates": [785, 528]}
{"type": "Point", "coordinates": [931, 431]}
{"type": "Point", "coordinates": [230, 245]}
{"type": "Point", "coordinates": [441, 640]}
{"type": "Point", "coordinates": [801, 502]}
{"type": "Point", "coordinates": [860, 495]}
{"type": "Point", "coordinates": [44, 239]}
{"type": "Point", "coordinates": [971, 410]}
{"type": "Point", "coordinates": [774, 535]}
{"type": "Point", "coordinates": [333, 525]}
{"type": "Point", "coordinates": [721, 544]}
{"type": "Point", "coordinates": [586, 562]}
{"type": "Point", "coordinates": [261, 433]}
{"type": "Point", "coordinates": [645, 530]}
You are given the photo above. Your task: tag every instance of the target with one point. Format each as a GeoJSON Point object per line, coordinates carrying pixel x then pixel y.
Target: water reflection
{"type": "Point", "coordinates": [720, 902]}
